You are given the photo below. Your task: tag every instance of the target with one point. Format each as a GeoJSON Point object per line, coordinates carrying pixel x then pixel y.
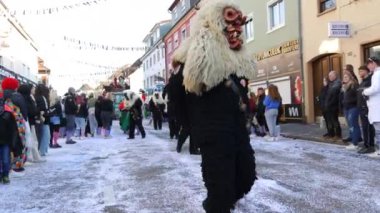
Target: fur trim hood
{"type": "Point", "coordinates": [206, 53]}
{"type": "Point", "coordinates": [132, 96]}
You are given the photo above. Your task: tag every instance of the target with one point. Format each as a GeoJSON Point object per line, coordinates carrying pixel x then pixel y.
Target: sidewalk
{"type": "Point", "coordinates": [311, 132]}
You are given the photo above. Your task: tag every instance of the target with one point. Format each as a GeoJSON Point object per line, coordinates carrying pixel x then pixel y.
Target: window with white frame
{"type": "Point", "coordinates": [158, 55]}
{"type": "Point", "coordinates": [183, 4]}
{"type": "Point", "coordinates": [276, 14]}
{"type": "Point", "coordinates": [154, 58]}
{"type": "Point", "coordinates": [249, 31]}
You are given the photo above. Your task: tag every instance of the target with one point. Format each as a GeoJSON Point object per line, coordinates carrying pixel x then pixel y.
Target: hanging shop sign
{"type": "Point", "coordinates": [339, 29]}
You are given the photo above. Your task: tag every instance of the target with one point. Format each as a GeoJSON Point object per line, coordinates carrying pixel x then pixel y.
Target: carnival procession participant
{"type": "Point", "coordinates": [136, 117]}
{"type": "Point", "coordinates": [214, 62]}
{"type": "Point", "coordinates": [157, 106]}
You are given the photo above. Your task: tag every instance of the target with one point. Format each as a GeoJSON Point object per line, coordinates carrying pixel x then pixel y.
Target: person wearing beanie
{"type": "Point", "coordinates": [16, 102]}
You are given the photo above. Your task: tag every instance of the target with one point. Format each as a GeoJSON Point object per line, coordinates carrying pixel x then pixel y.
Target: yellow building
{"type": "Point", "coordinates": [335, 33]}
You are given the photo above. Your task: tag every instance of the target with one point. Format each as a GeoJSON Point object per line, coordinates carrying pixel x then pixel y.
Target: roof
{"type": "Point", "coordinates": [155, 26]}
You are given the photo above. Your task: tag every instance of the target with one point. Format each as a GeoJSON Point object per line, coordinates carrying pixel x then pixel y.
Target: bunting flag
{"type": "Point", "coordinates": [86, 75]}
{"type": "Point", "coordinates": [97, 65]}
{"type": "Point", "coordinates": [87, 45]}
{"type": "Point", "coordinates": [52, 10]}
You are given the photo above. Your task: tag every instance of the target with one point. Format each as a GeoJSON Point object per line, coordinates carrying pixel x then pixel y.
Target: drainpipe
{"type": "Point", "coordinates": [301, 59]}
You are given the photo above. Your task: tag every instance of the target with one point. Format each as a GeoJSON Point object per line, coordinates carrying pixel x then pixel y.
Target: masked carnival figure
{"type": "Point", "coordinates": [216, 67]}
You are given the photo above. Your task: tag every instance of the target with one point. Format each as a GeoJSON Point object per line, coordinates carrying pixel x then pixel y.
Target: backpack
{"type": "Point", "coordinates": [4, 108]}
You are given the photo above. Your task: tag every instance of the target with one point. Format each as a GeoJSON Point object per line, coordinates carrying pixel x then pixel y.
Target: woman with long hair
{"type": "Point", "coordinates": [42, 126]}
{"type": "Point", "coordinates": [28, 91]}
{"type": "Point", "coordinates": [272, 103]}
{"type": "Point", "coordinates": [350, 107]}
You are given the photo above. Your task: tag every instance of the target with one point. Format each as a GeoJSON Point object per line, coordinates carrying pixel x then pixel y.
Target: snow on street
{"type": "Point", "coordinates": [117, 175]}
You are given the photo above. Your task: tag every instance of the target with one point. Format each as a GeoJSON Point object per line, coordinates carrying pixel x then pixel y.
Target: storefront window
{"type": "Point", "coordinates": [371, 50]}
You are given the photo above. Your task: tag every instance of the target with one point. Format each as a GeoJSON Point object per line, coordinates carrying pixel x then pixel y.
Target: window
{"type": "Point", "coordinates": [176, 43]}
{"type": "Point", "coordinates": [183, 33]}
{"type": "Point", "coordinates": [163, 52]}
{"type": "Point", "coordinates": [154, 58]}
{"type": "Point", "coordinates": [183, 4]}
{"type": "Point", "coordinates": [276, 14]}
{"type": "Point", "coordinates": [158, 55]}
{"type": "Point", "coordinates": [371, 50]}
{"type": "Point", "coordinates": [150, 60]}
{"type": "Point", "coordinates": [169, 47]}
{"type": "Point", "coordinates": [248, 28]}
{"type": "Point", "coordinates": [325, 5]}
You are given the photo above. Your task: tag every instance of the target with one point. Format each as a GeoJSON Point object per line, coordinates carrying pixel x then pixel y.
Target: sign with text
{"type": "Point", "coordinates": [339, 29]}
{"type": "Point", "coordinates": [293, 111]}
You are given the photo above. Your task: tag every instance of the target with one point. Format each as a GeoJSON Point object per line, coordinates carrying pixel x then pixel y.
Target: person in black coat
{"type": "Point", "coordinates": [185, 114]}
{"type": "Point", "coordinates": [98, 110]}
{"type": "Point", "coordinates": [260, 115]}
{"type": "Point", "coordinates": [55, 123]}
{"type": "Point", "coordinates": [136, 115]}
{"type": "Point", "coordinates": [107, 110]}
{"type": "Point", "coordinates": [8, 139]}
{"type": "Point", "coordinates": [156, 104]}
{"type": "Point", "coordinates": [71, 109]}
{"type": "Point", "coordinates": [322, 100]}
{"type": "Point", "coordinates": [367, 129]}
{"type": "Point", "coordinates": [169, 90]}
{"type": "Point", "coordinates": [43, 128]}
{"type": "Point", "coordinates": [332, 106]}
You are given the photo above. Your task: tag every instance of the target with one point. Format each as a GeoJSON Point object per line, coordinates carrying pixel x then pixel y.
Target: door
{"type": "Point", "coordinates": [321, 69]}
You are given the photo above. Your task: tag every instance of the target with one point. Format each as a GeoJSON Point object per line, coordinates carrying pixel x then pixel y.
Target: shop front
{"type": "Point", "coordinates": [281, 66]}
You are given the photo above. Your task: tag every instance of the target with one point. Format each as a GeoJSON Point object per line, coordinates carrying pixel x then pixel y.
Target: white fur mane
{"type": "Point", "coordinates": [206, 53]}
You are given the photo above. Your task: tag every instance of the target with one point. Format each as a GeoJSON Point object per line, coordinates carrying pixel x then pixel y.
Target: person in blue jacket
{"type": "Point", "coordinates": [272, 103]}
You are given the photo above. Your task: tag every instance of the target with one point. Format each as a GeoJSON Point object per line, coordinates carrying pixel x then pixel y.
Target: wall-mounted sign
{"type": "Point", "coordinates": [287, 47]}
{"type": "Point", "coordinates": [339, 29]}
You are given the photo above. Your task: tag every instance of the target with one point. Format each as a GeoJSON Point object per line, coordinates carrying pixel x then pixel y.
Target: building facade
{"type": "Point", "coordinates": [183, 12]}
{"type": "Point", "coordinates": [273, 37]}
{"type": "Point", "coordinates": [153, 61]}
{"type": "Point", "coordinates": [336, 33]}
{"type": "Point", "coordinates": [18, 52]}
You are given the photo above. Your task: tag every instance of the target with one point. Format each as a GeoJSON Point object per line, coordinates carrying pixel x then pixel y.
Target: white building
{"type": "Point", "coordinates": [18, 52]}
{"type": "Point", "coordinates": [153, 61]}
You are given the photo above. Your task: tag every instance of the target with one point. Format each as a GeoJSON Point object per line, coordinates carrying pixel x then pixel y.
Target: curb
{"type": "Point", "coordinates": [315, 139]}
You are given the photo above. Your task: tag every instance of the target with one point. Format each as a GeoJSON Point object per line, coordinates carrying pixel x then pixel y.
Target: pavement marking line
{"type": "Point", "coordinates": [109, 196]}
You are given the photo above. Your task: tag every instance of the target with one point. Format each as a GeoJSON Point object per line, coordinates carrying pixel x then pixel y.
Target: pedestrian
{"type": "Point", "coordinates": [321, 100]}
{"type": "Point", "coordinates": [42, 127]}
{"type": "Point", "coordinates": [260, 114]}
{"type": "Point", "coordinates": [349, 68]}
{"type": "Point", "coordinates": [28, 92]}
{"type": "Point", "coordinates": [98, 110]}
{"type": "Point", "coordinates": [373, 93]}
{"type": "Point", "coordinates": [156, 104]}
{"type": "Point", "coordinates": [252, 112]}
{"type": "Point", "coordinates": [272, 103]}
{"type": "Point", "coordinates": [71, 109]}
{"type": "Point", "coordinates": [136, 115]}
{"type": "Point", "coordinates": [16, 102]}
{"type": "Point", "coordinates": [107, 111]}
{"type": "Point", "coordinates": [214, 63]}
{"type": "Point", "coordinates": [91, 115]}
{"type": "Point", "coordinates": [367, 129]}
{"type": "Point", "coordinates": [8, 138]}
{"type": "Point", "coordinates": [332, 102]}
{"type": "Point", "coordinates": [124, 118]}
{"type": "Point", "coordinates": [350, 107]}
{"type": "Point", "coordinates": [55, 122]}
{"type": "Point", "coordinates": [81, 116]}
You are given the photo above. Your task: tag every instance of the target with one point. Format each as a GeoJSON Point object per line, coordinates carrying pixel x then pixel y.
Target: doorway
{"type": "Point", "coordinates": [321, 68]}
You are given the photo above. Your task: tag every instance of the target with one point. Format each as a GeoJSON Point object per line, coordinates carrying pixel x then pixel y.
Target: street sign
{"type": "Point", "coordinates": [339, 29]}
